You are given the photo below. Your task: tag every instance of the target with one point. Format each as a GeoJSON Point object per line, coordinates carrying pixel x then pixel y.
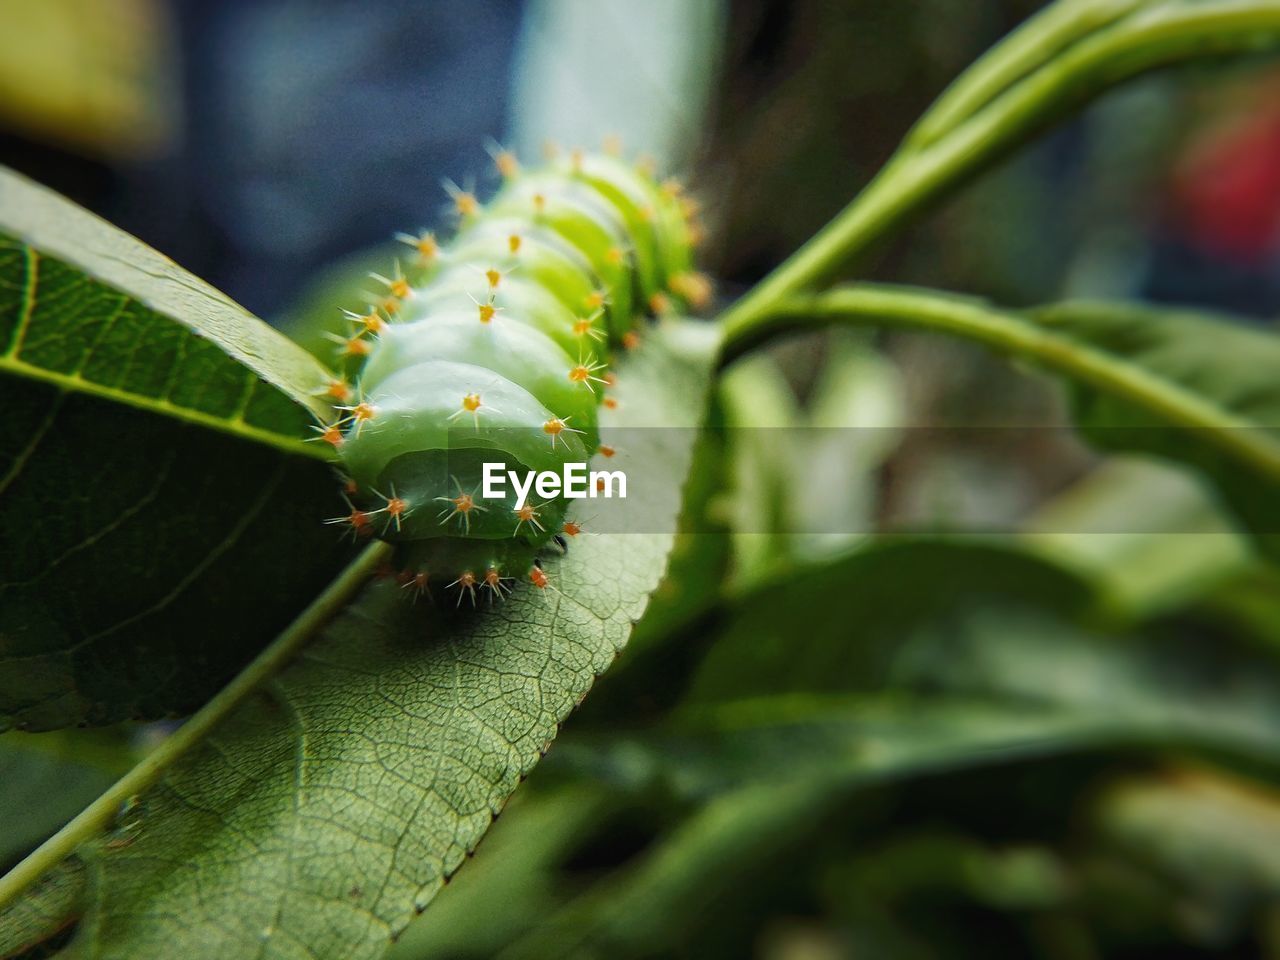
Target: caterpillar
{"type": "Point", "coordinates": [501, 343]}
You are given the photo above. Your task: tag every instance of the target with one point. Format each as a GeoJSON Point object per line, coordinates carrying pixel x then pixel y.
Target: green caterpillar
{"type": "Point", "coordinates": [498, 346]}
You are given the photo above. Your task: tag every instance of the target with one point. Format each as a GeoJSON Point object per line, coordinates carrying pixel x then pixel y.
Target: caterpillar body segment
{"type": "Point", "coordinates": [496, 347]}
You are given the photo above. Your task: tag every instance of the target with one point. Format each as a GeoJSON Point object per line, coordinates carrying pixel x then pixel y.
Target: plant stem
{"type": "Point", "coordinates": [872, 305]}
{"type": "Point", "coordinates": [98, 815]}
{"type": "Point", "coordinates": [1033, 44]}
{"type": "Point", "coordinates": [1162, 35]}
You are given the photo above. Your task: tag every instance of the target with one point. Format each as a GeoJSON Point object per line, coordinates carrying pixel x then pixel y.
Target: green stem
{"type": "Point", "coordinates": [98, 815]}
{"type": "Point", "coordinates": [1033, 44]}
{"type": "Point", "coordinates": [871, 305]}
{"type": "Point", "coordinates": [1163, 35]}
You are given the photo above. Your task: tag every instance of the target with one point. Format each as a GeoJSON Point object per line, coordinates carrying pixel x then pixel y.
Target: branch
{"type": "Point", "coordinates": [1165, 34]}
{"type": "Point", "coordinates": [1007, 332]}
{"type": "Point", "coordinates": [1033, 44]}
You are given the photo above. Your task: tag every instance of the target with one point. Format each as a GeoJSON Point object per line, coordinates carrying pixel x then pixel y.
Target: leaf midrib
{"type": "Point", "coordinates": [235, 426]}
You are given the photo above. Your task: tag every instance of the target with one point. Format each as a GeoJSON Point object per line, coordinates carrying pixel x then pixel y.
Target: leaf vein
{"type": "Point", "coordinates": [214, 554]}
{"type": "Point", "coordinates": [28, 300]}
{"type": "Point", "coordinates": [75, 384]}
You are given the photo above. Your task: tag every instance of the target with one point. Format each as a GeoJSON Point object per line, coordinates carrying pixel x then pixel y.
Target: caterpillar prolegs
{"type": "Point", "coordinates": [498, 346]}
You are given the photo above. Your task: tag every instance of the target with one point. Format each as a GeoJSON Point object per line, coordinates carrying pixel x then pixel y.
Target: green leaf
{"type": "Point", "coordinates": [49, 778]}
{"type": "Point", "coordinates": [931, 644]}
{"type": "Point", "coordinates": [649, 907]}
{"type": "Point", "coordinates": [1181, 542]}
{"type": "Point", "coordinates": [697, 567]}
{"type": "Point", "coordinates": [1230, 368]}
{"type": "Point", "coordinates": [1212, 834]}
{"type": "Point", "coordinates": [859, 740]}
{"type": "Point", "coordinates": [160, 506]}
{"type": "Point", "coordinates": [518, 866]}
{"type": "Point", "coordinates": [965, 665]}
{"type": "Point", "coordinates": [334, 803]}
{"type": "Point", "coordinates": [44, 912]}
{"type": "Point", "coordinates": [1248, 604]}
{"type": "Point", "coordinates": [842, 619]}
{"type": "Point", "coordinates": [761, 417]}
{"type": "Point", "coordinates": [771, 773]}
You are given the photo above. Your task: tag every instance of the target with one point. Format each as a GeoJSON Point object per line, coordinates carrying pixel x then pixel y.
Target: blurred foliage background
{"type": "Point", "coordinates": [1026, 704]}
